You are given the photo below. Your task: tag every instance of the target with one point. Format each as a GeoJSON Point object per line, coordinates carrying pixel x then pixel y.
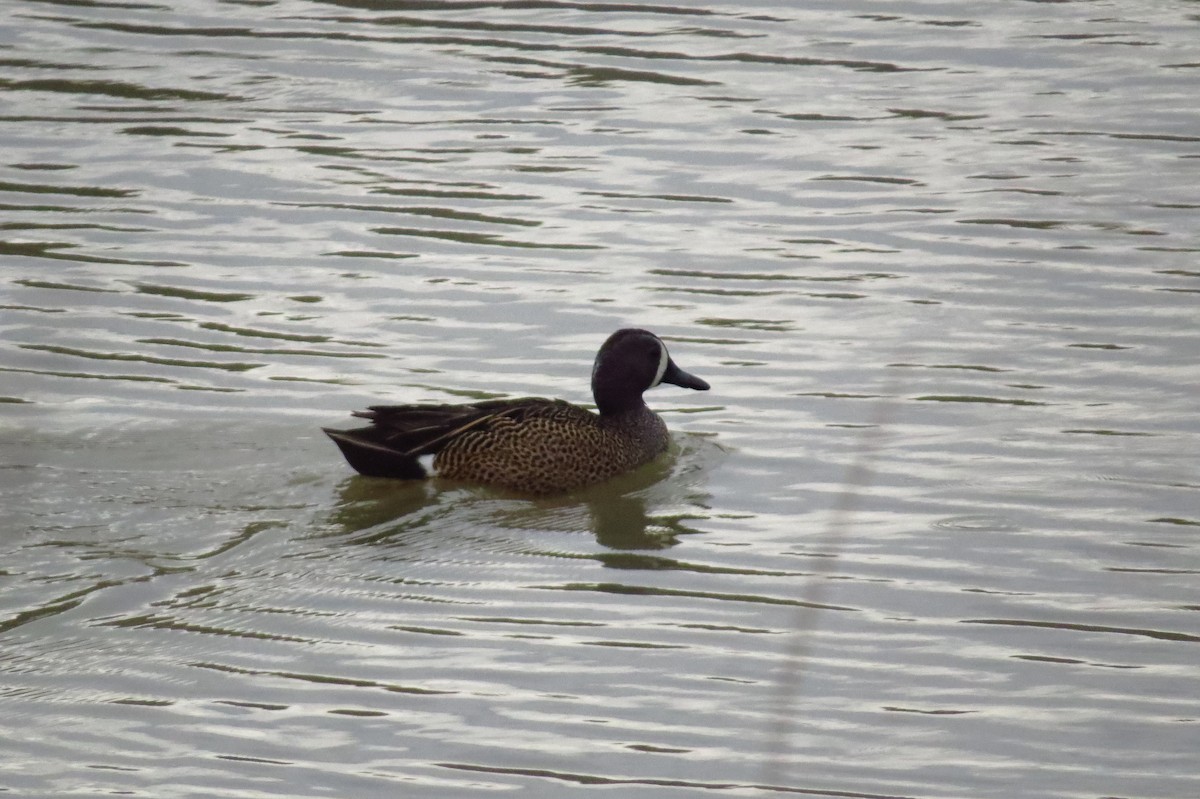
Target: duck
{"type": "Point", "coordinates": [529, 445]}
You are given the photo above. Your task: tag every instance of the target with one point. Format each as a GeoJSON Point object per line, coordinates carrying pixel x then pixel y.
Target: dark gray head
{"type": "Point", "coordinates": [630, 362]}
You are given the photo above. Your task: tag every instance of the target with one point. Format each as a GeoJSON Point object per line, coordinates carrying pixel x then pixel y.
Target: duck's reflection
{"type": "Point", "coordinates": [374, 509]}
{"type": "Point", "coordinates": [647, 509]}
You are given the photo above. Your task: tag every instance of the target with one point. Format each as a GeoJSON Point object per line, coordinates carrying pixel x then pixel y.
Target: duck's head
{"type": "Point", "coordinates": [629, 362]}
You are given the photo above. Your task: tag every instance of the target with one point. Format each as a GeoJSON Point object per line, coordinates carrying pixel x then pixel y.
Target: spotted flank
{"type": "Point", "coordinates": [530, 445]}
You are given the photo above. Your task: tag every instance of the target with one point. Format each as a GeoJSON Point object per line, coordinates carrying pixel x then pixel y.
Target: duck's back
{"type": "Point", "coordinates": [548, 446]}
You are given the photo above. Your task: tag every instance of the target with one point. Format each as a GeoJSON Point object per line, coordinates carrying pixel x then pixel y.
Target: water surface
{"type": "Point", "coordinates": [932, 533]}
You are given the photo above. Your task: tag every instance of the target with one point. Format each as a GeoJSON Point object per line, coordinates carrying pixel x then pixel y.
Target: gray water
{"type": "Point", "coordinates": [932, 533]}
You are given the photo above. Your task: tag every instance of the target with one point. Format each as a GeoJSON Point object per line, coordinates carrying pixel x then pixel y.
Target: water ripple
{"type": "Point", "coordinates": [938, 267]}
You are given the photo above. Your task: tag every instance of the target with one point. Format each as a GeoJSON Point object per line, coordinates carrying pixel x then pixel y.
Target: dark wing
{"type": "Point", "coordinates": [400, 434]}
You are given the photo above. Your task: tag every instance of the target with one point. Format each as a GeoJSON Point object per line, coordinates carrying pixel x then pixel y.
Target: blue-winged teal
{"type": "Point", "coordinates": [531, 445]}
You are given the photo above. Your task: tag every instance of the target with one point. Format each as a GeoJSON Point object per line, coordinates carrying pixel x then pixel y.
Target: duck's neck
{"type": "Point", "coordinates": [612, 401]}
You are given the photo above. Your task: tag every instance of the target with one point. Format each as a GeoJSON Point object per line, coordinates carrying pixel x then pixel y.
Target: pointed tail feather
{"type": "Point", "coordinates": [373, 458]}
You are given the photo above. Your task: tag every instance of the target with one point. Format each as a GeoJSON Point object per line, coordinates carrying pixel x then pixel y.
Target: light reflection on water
{"type": "Point", "coordinates": [932, 533]}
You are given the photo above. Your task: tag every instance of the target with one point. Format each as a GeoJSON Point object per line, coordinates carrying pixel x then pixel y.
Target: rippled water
{"type": "Point", "coordinates": [933, 532]}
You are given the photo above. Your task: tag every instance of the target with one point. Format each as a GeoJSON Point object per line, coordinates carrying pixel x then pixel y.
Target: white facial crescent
{"type": "Point", "coordinates": [663, 360]}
